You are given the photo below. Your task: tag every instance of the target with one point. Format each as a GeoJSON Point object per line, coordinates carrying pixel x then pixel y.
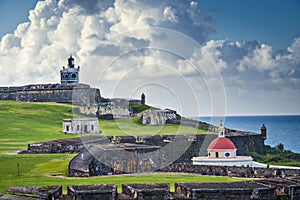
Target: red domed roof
{"type": "Point", "coordinates": [221, 143]}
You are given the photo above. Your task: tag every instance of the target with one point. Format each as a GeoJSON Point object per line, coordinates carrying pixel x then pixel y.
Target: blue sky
{"type": "Point", "coordinates": [14, 12]}
{"type": "Point", "coordinates": [246, 63]}
{"type": "Point", "coordinates": [274, 22]}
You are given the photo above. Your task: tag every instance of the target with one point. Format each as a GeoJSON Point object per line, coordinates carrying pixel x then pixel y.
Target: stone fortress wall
{"type": "Point", "coordinates": [264, 189]}
{"type": "Point", "coordinates": [128, 154]}
{"type": "Point", "coordinates": [80, 94]}
{"type": "Point", "coordinates": [244, 141]}
{"type": "Point", "coordinates": [142, 154]}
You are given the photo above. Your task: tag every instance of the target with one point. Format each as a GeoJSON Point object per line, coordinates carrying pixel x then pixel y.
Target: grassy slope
{"type": "Point", "coordinates": [23, 123]}
{"type": "Point", "coordinates": [132, 126]}
{"type": "Point", "coordinates": [35, 168]}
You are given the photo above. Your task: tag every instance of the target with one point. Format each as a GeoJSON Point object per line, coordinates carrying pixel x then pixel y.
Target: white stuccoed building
{"type": "Point", "coordinates": [222, 152]}
{"type": "Point", "coordinates": [81, 126]}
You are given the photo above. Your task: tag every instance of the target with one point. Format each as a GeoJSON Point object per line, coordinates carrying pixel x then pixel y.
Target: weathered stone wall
{"type": "Point", "coordinates": [106, 160]}
{"type": "Point", "coordinates": [128, 157]}
{"type": "Point", "coordinates": [197, 145]}
{"type": "Point", "coordinates": [32, 192]}
{"type": "Point", "coordinates": [156, 117]}
{"type": "Point", "coordinates": [234, 171]}
{"type": "Point", "coordinates": [124, 159]}
{"type": "Point", "coordinates": [70, 145]}
{"type": "Point", "coordinates": [147, 191]}
{"type": "Point", "coordinates": [190, 146]}
{"type": "Point", "coordinates": [88, 192]}
{"type": "Point", "coordinates": [150, 140]}
{"type": "Point", "coordinates": [253, 190]}
{"type": "Point", "coordinates": [80, 94]}
{"type": "Point", "coordinates": [246, 144]}
{"type": "Point", "coordinates": [246, 190]}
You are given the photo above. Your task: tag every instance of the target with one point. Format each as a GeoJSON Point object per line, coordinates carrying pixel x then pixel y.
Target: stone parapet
{"type": "Point", "coordinates": [32, 192]}
{"type": "Point", "coordinates": [246, 190]}
{"type": "Point", "coordinates": [146, 191]}
{"type": "Point", "coordinates": [88, 192]}
{"type": "Point", "coordinates": [70, 145]}
{"type": "Point", "coordinates": [79, 94]}
{"type": "Point", "coordinates": [233, 171]}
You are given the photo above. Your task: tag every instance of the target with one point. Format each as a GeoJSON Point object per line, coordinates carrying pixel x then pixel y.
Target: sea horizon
{"type": "Point", "coordinates": [280, 128]}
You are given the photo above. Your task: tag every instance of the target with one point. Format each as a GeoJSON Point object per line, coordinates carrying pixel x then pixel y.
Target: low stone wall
{"type": "Point", "coordinates": [147, 191]}
{"type": "Point", "coordinates": [245, 190]}
{"type": "Point", "coordinates": [70, 145]}
{"type": "Point", "coordinates": [233, 171]}
{"type": "Point", "coordinates": [32, 192]}
{"type": "Point", "coordinates": [88, 192]}
{"type": "Point", "coordinates": [198, 125]}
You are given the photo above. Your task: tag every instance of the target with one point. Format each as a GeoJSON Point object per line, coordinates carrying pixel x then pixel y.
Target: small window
{"type": "Point", "coordinates": [78, 127]}
{"type": "Point", "coordinates": [92, 127]}
{"type": "Point", "coordinates": [227, 154]}
{"type": "Point", "coordinates": [73, 76]}
{"type": "Point", "coordinates": [217, 154]}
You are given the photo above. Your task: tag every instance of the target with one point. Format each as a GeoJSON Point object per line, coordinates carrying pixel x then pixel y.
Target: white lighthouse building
{"type": "Point", "coordinates": [70, 75]}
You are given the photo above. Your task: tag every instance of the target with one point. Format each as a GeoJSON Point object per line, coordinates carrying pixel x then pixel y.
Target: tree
{"type": "Point", "coordinates": [280, 147]}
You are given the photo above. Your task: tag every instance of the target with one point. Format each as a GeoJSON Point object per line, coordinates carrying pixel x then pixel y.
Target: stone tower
{"type": "Point", "coordinates": [70, 75]}
{"type": "Point", "coordinates": [143, 99]}
{"type": "Point", "coordinates": [263, 131]}
{"type": "Point", "coordinates": [221, 130]}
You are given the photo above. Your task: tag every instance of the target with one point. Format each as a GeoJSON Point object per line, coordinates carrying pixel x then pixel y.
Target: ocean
{"type": "Point", "coordinates": [280, 129]}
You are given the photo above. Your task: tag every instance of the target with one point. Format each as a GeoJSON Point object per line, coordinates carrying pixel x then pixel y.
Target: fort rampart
{"type": "Point", "coordinates": [247, 190]}
{"type": "Point", "coordinates": [81, 94]}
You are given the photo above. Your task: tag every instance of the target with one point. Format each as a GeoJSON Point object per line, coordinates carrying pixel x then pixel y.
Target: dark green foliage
{"type": "Point", "coordinates": [138, 108]}
{"type": "Point", "coordinates": [278, 156]}
{"type": "Point", "coordinates": [280, 147]}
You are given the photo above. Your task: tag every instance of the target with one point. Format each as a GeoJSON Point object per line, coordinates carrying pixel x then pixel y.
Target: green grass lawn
{"type": "Point", "coordinates": [22, 123]}
{"type": "Point", "coordinates": [50, 169]}
{"type": "Point", "coordinates": [132, 126]}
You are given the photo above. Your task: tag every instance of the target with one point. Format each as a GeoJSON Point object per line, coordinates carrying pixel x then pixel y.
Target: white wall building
{"type": "Point", "coordinates": [222, 152]}
{"type": "Point", "coordinates": [81, 125]}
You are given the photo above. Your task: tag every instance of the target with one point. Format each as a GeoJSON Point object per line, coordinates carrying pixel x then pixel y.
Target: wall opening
{"type": "Point", "coordinates": [118, 168]}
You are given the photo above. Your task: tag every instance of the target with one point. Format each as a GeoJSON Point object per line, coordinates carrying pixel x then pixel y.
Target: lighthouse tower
{"type": "Point", "coordinates": [70, 75]}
